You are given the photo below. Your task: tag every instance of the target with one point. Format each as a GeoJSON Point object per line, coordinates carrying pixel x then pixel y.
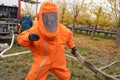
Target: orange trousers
{"type": "Point", "coordinates": [59, 70]}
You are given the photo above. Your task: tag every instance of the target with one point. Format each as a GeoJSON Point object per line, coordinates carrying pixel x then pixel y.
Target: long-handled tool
{"type": "Point", "coordinates": [93, 68]}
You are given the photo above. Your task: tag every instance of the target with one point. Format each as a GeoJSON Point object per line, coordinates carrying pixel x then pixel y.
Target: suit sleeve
{"type": "Point", "coordinates": [23, 40]}
{"type": "Point", "coordinates": [70, 42]}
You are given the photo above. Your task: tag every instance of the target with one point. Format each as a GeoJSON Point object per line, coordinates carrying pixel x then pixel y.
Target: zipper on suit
{"type": "Point", "coordinates": [43, 61]}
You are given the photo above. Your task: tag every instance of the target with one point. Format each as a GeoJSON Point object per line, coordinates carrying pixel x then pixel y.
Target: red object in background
{"type": "Point", "coordinates": [19, 28]}
{"type": "Point", "coordinates": [19, 15]}
{"type": "Point", "coordinates": [19, 7]}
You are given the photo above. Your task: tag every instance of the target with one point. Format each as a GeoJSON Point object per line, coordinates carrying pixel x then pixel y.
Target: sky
{"type": "Point", "coordinates": [15, 2]}
{"type": "Point", "coordinates": [9, 2]}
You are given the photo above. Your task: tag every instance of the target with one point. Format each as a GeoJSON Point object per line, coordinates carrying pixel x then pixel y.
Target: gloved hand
{"type": "Point", "coordinates": [33, 37]}
{"type": "Point", "coordinates": [74, 50]}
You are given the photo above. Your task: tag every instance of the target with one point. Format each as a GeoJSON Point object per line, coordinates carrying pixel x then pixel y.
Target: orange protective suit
{"type": "Point", "coordinates": [48, 51]}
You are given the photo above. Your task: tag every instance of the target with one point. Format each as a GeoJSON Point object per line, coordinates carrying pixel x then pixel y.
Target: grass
{"type": "Point", "coordinates": [98, 51]}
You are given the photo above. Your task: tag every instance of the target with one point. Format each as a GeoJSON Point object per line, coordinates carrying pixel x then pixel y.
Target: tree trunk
{"type": "Point", "coordinates": [93, 31]}
{"type": "Point", "coordinates": [63, 12]}
{"type": "Point", "coordinates": [97, 21]}
{"type": "Point", "coordinates": [118, 32]}
{"type": "Point", "coordinates": [73, 27]}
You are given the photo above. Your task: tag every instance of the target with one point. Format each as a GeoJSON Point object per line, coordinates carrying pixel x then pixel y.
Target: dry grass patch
{"type": "Point", "coordinates": [98, 51]}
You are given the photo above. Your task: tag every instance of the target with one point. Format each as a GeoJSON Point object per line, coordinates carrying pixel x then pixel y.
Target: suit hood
{"type": "Point", "coordinates": [47, 7]}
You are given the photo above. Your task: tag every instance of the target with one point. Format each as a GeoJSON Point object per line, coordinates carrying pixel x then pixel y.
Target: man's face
{"type": "Point", "coordinates": [27, 14]}
{"type": "Point", "coordinates": [50, 20]}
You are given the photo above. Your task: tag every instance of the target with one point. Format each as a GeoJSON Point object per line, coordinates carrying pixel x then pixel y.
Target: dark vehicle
{"type": "Point", "coordinates": [8, 21]}
{"type": "Point", "coordinates": [10, 16]}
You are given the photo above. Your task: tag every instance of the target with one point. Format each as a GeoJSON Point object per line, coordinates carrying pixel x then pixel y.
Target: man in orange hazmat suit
{"type": "Point", "coordinates": [46, 40]}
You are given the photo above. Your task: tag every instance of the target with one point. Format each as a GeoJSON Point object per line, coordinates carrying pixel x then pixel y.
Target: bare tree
{"type": "Point", "coordinates": [62, 6]}
{"type": "Point", "coordinates": [28, 8]}
{"type": "Point", "coordinates": [115, 7]}
{"type": "Point", "coordinates": [98, 14]}
{"type": "Point", "coordinates": [76, 8]}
